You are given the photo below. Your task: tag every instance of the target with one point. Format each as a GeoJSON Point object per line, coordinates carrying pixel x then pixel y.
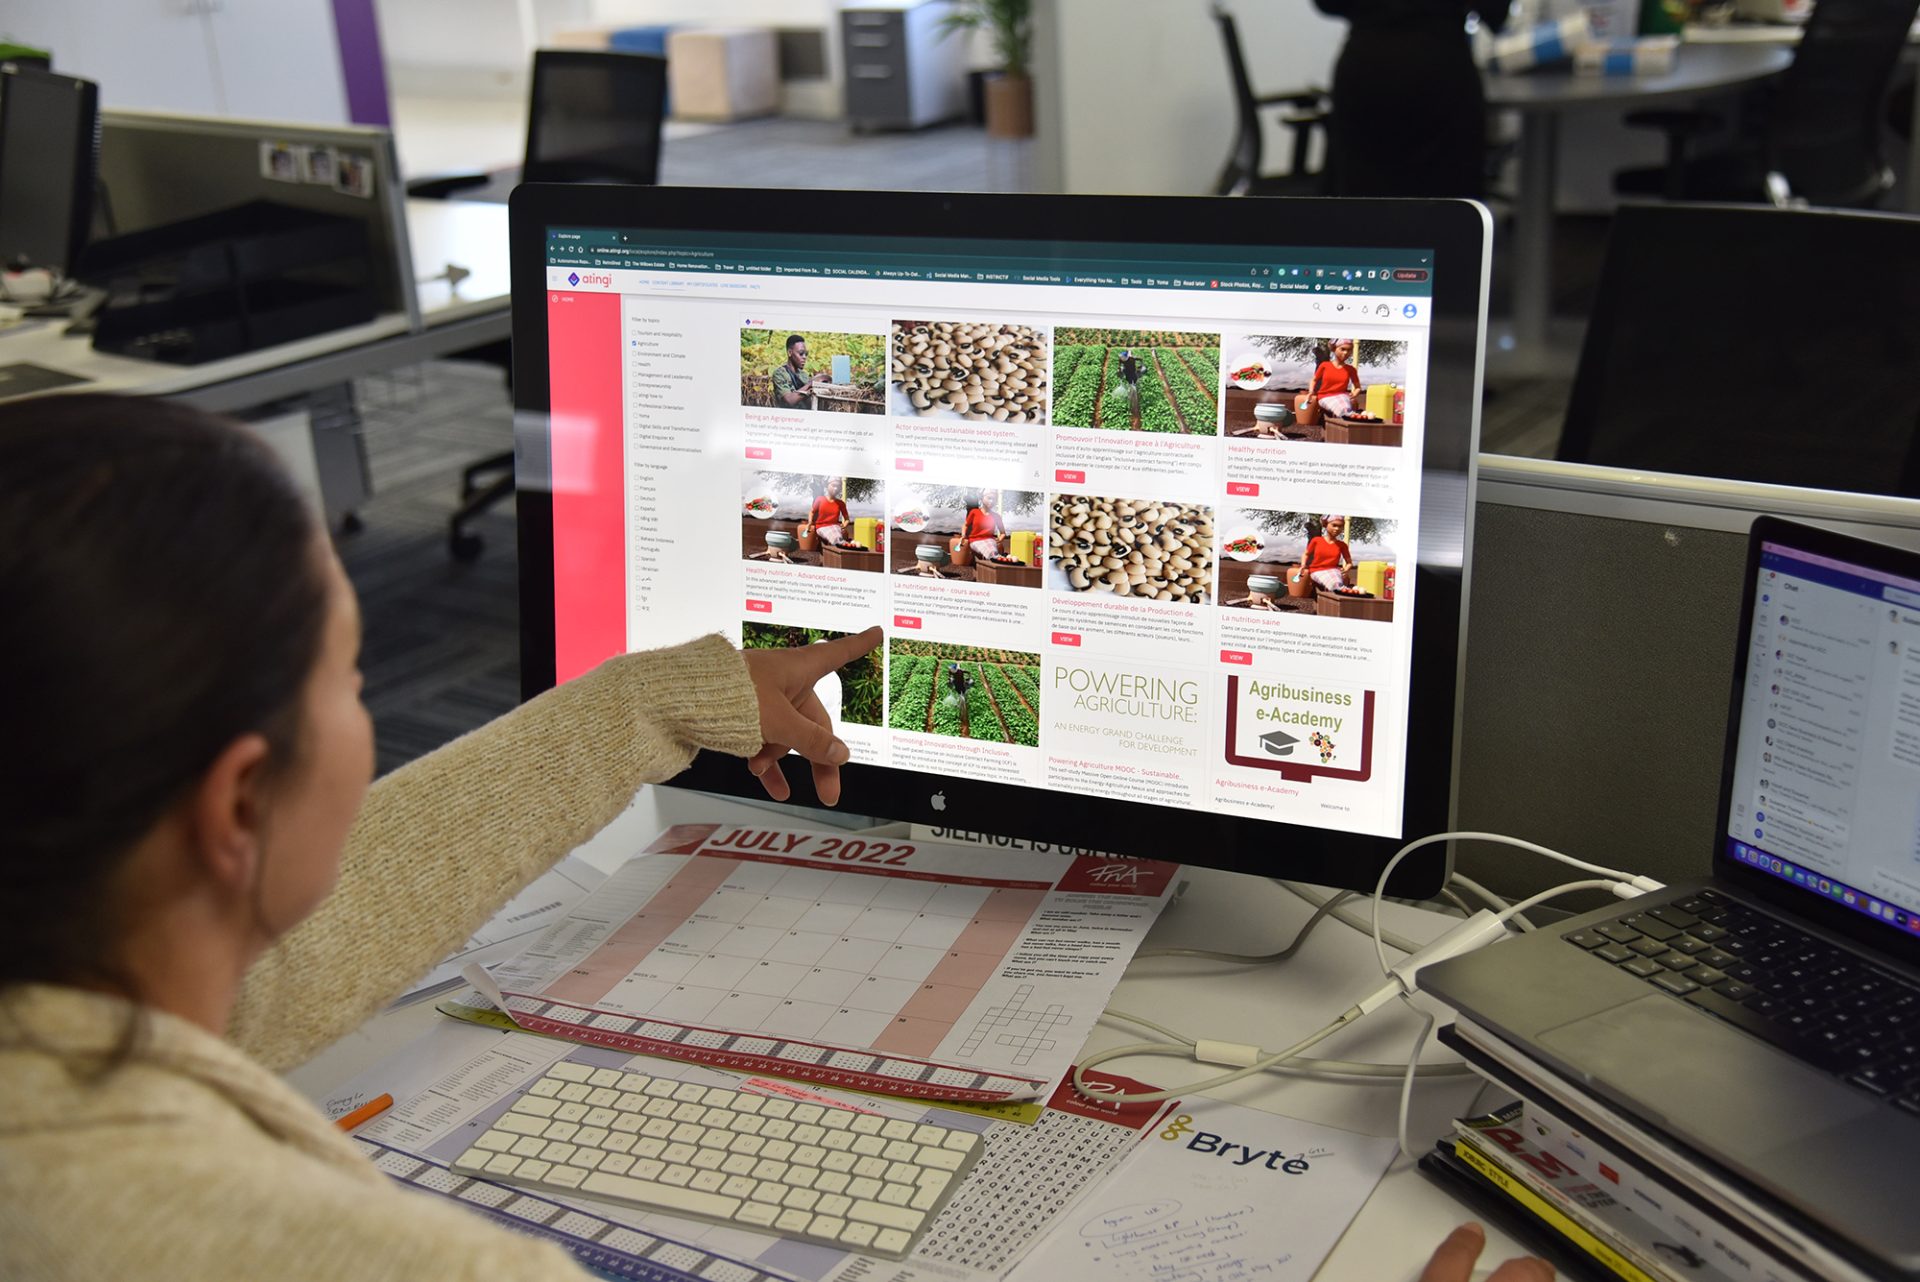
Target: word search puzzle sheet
{"type": "Point", "coordinates": [938, 972]}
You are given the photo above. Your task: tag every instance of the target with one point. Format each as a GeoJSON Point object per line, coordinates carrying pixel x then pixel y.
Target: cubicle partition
{"type": "Point", "coordinates": [157, 167]}
{"type": "Point", "coordinates": [1603, 613]}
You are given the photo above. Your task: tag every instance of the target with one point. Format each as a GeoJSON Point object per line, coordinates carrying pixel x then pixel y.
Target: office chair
{"type": "Point", "coordinates": [1817, 139]}
{"type": "Point", "coordinates": [591, 117]}
{"type": "Point", "coordinates": [1754, 344]}
{"type": "Point", "coordinates": [1241, 175]}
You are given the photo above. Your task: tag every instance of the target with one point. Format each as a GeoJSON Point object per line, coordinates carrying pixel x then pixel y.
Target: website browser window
{"type": "Point", "coordinates": [1139, 521]}
{"type": "Point", "coordinates": [1827, 777]}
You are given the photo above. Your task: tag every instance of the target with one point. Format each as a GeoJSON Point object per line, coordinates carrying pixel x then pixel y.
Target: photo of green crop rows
{"type": "Point", "coordinates": [1178, 387]}
{"type": "Point", "coordinates": [1002, 700]}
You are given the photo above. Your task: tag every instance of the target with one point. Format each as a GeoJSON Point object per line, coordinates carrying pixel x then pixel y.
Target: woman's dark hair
{"type": "Point", "coordinates": [160, 595]}
{"type": "Point", "coordinates": [975, 498]}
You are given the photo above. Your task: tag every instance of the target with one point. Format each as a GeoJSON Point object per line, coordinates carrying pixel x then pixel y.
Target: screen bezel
{"type": "Point", "coordinates": [1807, 904]}
{"type": "Point", "coordinates": [1457, 233]}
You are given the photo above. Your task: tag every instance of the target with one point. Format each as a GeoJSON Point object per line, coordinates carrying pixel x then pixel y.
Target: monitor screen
{"type": "Point", "coordinates": [1826, 774]}
{"type": "Point", "coordinates": [1755, 344]}
{"type": "Point", "coordinates": [48, 131]}
{"type": "Point", "coordinates": [1143, 521]}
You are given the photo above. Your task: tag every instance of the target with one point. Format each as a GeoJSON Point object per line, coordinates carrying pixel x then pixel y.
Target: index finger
{"type": "Point", "coordinates": [824, 656]}
{"type": "Point", "coordinates": [1453, 1261]}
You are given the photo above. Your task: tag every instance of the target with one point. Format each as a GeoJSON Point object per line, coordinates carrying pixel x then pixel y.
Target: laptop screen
{"type": "Point", "coordinates": [1826, 776]}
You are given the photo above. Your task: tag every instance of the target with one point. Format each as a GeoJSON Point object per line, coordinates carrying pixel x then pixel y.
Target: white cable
{"type": "Point", "coordinates": [1595, 883]}
{"type": "Point", "coordinates": [1347, 918]}
{"type": "Point", "coordinates": [1635, 881]}
{"type": "Point", "coordinates": [1155, 1048]}
{"type": "Point", "coordinates": [1447, 893]}
{"type": "Point", "coordinates": [1484, 895]}
{"type": "Point", "coordinates": [1257, 959]}
{"type": "Point", "coordinates": [1413, 1067]}
{"type": "Point", "coordinates": [1329, 1069]}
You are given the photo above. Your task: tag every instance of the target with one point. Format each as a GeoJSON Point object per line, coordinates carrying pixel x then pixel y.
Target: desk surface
{"type": "Point", "coordinates": [1271, 1005]}
{"type": "Point", "coordinates": [471, 235]}
{"type": "Point", "coordinates": [1697, 69]}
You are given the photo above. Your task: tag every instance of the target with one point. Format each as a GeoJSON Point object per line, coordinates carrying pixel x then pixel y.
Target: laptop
{"type": "Point", "coordinates": [1768, 1018]}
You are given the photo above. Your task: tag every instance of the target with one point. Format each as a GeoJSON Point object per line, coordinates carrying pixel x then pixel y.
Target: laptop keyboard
{"type": "Point", "coordinates": [1824, 1005]}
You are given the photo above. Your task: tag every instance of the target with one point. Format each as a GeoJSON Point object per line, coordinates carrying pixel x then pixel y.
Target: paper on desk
{"type": "Point", "coordinates": [544, 901]}
{"type": "Point", "coordinates": [450, 1083]}
{"type": "Point", "coordinates": [1219, 1193]}
{"type": "Point", "coordinates": [906, 968]}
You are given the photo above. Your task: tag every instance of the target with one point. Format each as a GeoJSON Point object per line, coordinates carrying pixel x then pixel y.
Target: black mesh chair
{"type": "Point", "coordinates": [1241, 176]}
{"type": "Point", "coordinates": [1815, 132]}
{"type": "Point", "coordinates": [592, 117]}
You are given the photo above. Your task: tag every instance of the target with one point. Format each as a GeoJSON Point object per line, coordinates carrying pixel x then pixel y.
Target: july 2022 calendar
{"type": "Point", "coordinates": [937, 972]}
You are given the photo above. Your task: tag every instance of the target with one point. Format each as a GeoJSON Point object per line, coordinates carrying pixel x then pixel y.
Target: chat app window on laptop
{"type": "Point", "coordinates": [1826, 790]}
{"type": "Point", "coordinates": [1139, 521]}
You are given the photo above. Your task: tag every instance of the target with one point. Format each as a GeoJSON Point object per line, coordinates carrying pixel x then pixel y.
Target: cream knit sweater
{"type": "Point", "coordinates": [193, 1160]}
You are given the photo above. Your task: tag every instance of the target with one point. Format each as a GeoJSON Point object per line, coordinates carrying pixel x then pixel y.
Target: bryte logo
{"type": "Point", "coordinates": [1208, 1142]}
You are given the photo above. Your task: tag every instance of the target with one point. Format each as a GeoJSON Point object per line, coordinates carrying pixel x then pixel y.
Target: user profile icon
{"type": "Point", "coordinates": [1760, 816]}
{"type": "Point", "coordinates": [1783, 620]}
{"type": "Point", "coordinates": [1770, 723]}
{"type": "Point", "coordinates": [1893, 647]}
{"type": "Point", "coordinates": [1769, 741]}
{"type": "Point", "coordinates": [1776, 689]}
{"type": "Point", "coordinates": [1779, 654]}
{"type": "Point", "coordinates": [1767, 757]}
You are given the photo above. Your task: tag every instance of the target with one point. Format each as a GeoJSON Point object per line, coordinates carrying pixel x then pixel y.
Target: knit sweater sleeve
{"type": "Point", "coordinates": [443, 842]}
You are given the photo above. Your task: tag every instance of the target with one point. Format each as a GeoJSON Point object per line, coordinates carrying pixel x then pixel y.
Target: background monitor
{"type": "Point", "coordinates": [1754, 344]}
{"type": "Point", "coordinates": [49, 143]}
{"type": "Point", "coordinates": [1072, 454]}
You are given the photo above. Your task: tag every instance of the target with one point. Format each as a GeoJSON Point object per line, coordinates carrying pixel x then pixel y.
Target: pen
{"type": "Point", "coordinates": [366, 1112]}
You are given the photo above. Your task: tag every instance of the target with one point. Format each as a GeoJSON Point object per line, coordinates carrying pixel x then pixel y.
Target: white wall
{"type": "Point", "coordinates": [265, 59]}
{"type": "Point", "coordinates": [1144, 100]}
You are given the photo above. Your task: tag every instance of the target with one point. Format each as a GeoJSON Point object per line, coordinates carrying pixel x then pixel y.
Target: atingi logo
{"type": "Point", "coordinates": [601, 279]}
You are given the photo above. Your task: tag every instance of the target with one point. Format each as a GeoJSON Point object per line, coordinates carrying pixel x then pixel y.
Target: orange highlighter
{"type": "Point", "coordinates": [365, 1113]}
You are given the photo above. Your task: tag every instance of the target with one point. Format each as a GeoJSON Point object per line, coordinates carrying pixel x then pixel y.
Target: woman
{"type": "Point", "coordinates": [1409, 114]}
{"type": "Point", "coordinates": [1336, 380]}
{"type": "Point", "coordinates": [1328, 557]}
{"type": "Point", "coordinates": [215, 892]}
{"type": "Point", "coordinates": [983, 530]}
{"type": "Point", "coordinates": [828, 514]}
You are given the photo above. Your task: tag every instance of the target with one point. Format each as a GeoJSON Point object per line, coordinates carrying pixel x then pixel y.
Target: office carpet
{"type": "Point", "coordinates": [441, 651]}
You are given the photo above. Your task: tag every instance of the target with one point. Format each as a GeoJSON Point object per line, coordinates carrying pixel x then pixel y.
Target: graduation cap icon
{"type": "Point", "coordinates": [1278, 743]}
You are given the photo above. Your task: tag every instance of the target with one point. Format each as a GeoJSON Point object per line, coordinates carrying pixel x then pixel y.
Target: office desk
{"type": "Point", "coordinates": [1406, 1216]}
{"type": "Point", "coordinates": [1540, 98]}
{"type": "Point", "coordinates": [452, 319]}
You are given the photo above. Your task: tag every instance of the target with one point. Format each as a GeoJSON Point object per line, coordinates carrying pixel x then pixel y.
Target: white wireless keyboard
{"type": "Point", "coordinates": [823, 1174]}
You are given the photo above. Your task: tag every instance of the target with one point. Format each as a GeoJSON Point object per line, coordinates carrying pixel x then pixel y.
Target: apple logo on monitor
{"type": "Point", "coordinates": [939, 801]}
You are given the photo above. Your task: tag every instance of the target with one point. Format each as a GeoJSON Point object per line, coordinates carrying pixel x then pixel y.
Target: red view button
{"type": "Point", "coordinates": [907, 621]}
{"type": "Point", "coordinates": [1246, 489]}
{"type": "Point", "coordinates": [909, 465]}
{"type": "Point", "coordinates": [1066, 638]}
{"type": "Point", "coordinates": [1070, 475]}
{"type": "Point", "coordinates": [759, 451]}
{"type": "Point", "coordinates": [759, 607]}
{"type": "Point", "coordinates": [1235, 656]}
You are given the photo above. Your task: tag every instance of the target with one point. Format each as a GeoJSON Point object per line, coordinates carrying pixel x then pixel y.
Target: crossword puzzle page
{"type": "Point", "coordinates": [931, 971]}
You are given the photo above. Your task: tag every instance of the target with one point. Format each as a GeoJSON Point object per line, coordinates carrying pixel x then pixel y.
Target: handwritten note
{"type": "Point", "coordinates": [1219, 1193]}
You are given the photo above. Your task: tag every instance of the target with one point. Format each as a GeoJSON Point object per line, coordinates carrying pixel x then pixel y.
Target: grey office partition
{"type": "Point", "coordinates": [1600, 635]}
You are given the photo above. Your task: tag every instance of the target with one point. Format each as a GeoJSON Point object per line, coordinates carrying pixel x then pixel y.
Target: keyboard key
{"type": "Point", "coordinates": [1643, 967]}
{"type": "Point", "coordinates": [1706, 976]}
{"type": "Point", "coordinates": [1618, 933]}
{"type": "Point", "coordinates": [1674, 915]}
{"type": "Point", "coordinates": [1650, 926]}
{"type": "Point", "coordinates": [1710, 933]}
{"type": "Point", "coordinates": [1735, 991]}
{"type": "Point", "coordinates": [1675, 961]}
{"type": "Point", "coordinates": [1648, 947]}
{"type": "Point", "coordinates": [1614, 953]}
{"type": "Point", "coordinates": [1678, 985]}
{"type": "Point", "coordinates": [1718, 958]}
{"type": "Point", "coordinates": [1686, 944]}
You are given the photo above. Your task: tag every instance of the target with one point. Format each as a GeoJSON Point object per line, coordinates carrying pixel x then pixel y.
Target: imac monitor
{"type": "Point", "coordinates": [49, 145]}
{"type": "Point", "coordinates": [1162, 504]}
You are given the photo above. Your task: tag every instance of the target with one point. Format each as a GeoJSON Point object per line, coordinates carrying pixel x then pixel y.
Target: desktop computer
{"type": "Point", "coordinates": [1163, 505]}
{"type": "Point", "coordinates": [49, 146]}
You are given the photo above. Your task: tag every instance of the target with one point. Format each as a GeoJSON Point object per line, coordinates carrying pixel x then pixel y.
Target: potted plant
{"type": "Point", "coordinates": [1009, 91]}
